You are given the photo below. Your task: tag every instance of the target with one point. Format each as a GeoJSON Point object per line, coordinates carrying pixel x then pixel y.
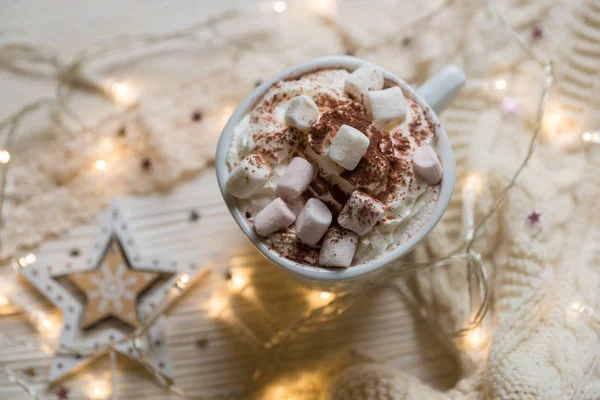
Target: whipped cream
{"type": "Point", "coordinates": [385, 172]}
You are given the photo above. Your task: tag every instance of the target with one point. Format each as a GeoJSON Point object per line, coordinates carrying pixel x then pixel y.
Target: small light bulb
{"type": "Point", "coordinates": [4, 156]}
{"type": "Point", "coordinates": [96, 393]}
{"type": "Point", "coordinates": [22, 262]}
{"type": "Point", "coordinates": [500, 84]}
{"type": "Point", "coordinates": [45, 325]}
{"type": "Point", "coordinates": [318, 299]}
{"type": "Point", "coordinates": [120, 90]}
{"type": "Point", "coordinates": [475, 337]}
{"type": "Point", "coordinates": [575, 306]}
{"type": "Point", "coordinates": [47, 348]}
{"type": "Point", "coordinates": [216, 305]}
{"type": "Point", "coordinates": [99, 391]}
{"type": "Point", "coordinates": [30, 258]}
{"type": "Point", "coordinates": [279, 6]}
{"type": "Point", "coordinates": [473, 183]}
{"type": "Point", "coordinates": [553, 122]}
{"type": "Point", "coordinates": [100, 165]}
{"type": "Point", "coordinates": [323, 6]}
{"type": "Point", "coordinates": [592, 136]}
{"type": "Point", "coordinates": [238, 282]}
{"type": "Point", "coordinates": [183, 280]}
{"type": "Point", "coordinates": [226, 114]}
{"type": "Point", "coordinates": [4, 301]}
{"type": "Point", "coordinates": [41, 321]}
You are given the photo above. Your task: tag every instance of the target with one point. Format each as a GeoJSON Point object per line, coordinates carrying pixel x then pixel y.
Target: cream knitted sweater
{"type": "Point", "coordinates": [545, 278]}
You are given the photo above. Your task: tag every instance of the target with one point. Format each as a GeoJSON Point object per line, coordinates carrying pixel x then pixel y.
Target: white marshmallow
{"type": "Point", "coordinates": [338, 248]}
{"type": "Point", "coordinates": [386, 105]}
{"type": "Point", "coordinates": [296, 178]}
{"type": "Point", "coordinates": [427, 165]}
{"type": "Point", "coordinates": [313, 221]}
{"type": "Point", "coordinates": [302, 113]}
{"type": "Point", "coordinates": [348, 147]}
{"type": "Point", "coordinates": [361, 81]}
{"type": "Point", "coordinates": [249, 176]}
{"type": "Point", "coordinates": [275, 216]}
{"type": "Point", "coordinates": [360, 213]}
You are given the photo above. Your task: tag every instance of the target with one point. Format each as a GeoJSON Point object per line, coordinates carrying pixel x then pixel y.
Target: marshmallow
{"type": "Point", "coordinates": [427, 165]}
{"type": "Point", "coordinates": [302, 113]}
{"type": "Point", "coordinates": [338, 248]}
{"type": "Point", "coordinates": [275, 216]}
{"type": "Point", "coordinates": [313, 221]}
{"type": "Point", "coordinates": [360, 213]}
{"type": "Point", "coordinates": [248, 176]}
{"type": "Point", "coordinates": [348, 147]}
{"type": "Point", "coordinates": [386, 105]}
{"type": "Point", "coordinates": [296, 178]}
{"type": "Point", "coordinates": [361, 81]}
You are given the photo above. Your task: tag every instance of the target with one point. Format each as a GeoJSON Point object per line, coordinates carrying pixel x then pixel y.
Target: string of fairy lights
{"type": "Point", "coordinates": [74, 74]}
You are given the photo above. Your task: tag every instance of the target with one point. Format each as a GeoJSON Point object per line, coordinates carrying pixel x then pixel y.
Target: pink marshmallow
{"type": "Point", "coordinates": [427, 165]}
{"type": "Point", "coordinates": [275, 216]}
{"type": "Point", "coordinates": [360, 213]}
{"type": "Point", "coordinates": [313, 221]}
{"type": "Point", "coordinates": [296, 179]}
{"type": "Point", "coordinates": [338, 248]}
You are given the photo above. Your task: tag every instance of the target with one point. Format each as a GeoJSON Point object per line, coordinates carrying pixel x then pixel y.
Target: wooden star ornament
{"type": "Point", "coordinates": [112, 289]}
{"type": "Point", "coordinates": [121, 287]}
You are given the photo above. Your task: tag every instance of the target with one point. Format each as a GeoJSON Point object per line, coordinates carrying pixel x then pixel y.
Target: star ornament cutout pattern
{"type": "Point", "coordinates": [112, 289]}
{"type": "Point", "coordinates": [120, 288]}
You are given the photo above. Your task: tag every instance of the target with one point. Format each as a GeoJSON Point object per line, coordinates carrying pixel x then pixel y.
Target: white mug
{"type": "Point", "coordinates": [434, 95]}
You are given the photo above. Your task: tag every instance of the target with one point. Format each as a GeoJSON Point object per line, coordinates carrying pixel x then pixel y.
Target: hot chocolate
{"type": "Point", "coordinates": [335, 168]}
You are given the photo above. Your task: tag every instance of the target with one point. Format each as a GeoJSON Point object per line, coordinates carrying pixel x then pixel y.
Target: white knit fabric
{"type": "Point", "coordinates": [545, 279]}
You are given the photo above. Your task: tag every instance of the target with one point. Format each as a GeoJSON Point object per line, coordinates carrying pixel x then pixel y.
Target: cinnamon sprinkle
{"type": "Point", "coordinates": [371, 173]}
{"type": "Point", "coordinates": [287, 244]}
{"type": "Point", "coordinates": [350, 113]}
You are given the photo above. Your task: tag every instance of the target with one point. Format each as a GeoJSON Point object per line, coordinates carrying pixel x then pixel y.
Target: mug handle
{"type": "Point", "coordinates": [443, 87]}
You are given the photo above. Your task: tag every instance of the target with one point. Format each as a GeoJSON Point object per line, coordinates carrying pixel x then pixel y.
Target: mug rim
{"type": "Point", "coordinates": [321, 274]}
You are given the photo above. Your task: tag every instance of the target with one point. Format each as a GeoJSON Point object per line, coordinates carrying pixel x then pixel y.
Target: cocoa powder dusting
{"type": "Point", "coordinates": [420, 127]}
{"type": "Point", "coordinates": [362, 208]}
{"type": "Point", "coordinates": [320, 188]}
{"type": "Point", "coordinates": [338, 194]}
{"type": "Point", "coordinates": [350, 113]}
{"type": "Point", "coordinates": [269, 144]}
{"type": "Point", "coordinates": [400, 142]}
{"type": "Point", "coordinates": [400, 175]}
{"type": "Point", "coordinates": [326, 101]}
{"type": "Point", "coordinates": [371, 173]}
{"type": "Point", "coordinates": [287, 244]}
